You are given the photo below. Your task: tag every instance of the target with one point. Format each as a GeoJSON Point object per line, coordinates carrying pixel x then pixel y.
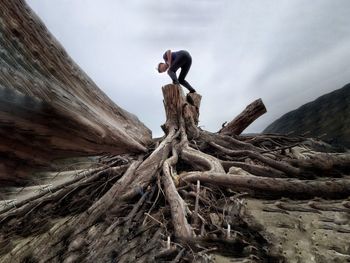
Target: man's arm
{"type": "Point", "coordinates": [173, 76]}
{"type": "Point", "coordinates": [171, 73]}
{"type": "Point", "coordinates": [168, 54]}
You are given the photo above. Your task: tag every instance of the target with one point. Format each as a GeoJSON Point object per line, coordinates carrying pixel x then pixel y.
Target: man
{"type": "Point", "coordinates": [173, 61]}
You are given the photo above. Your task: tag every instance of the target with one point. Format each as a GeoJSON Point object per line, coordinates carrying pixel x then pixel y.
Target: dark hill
{"type": "Point", "coordinates": [328, 117]}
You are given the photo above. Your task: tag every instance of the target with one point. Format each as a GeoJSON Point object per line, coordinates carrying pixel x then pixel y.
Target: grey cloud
{"type": "Point", "coordinates": [286, 52]}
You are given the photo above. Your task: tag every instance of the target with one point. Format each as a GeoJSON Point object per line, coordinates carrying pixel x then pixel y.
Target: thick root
{"type": "Point", "coordinates": [177, 205]}
{"type": "Point", "coordinates": [274, 187]}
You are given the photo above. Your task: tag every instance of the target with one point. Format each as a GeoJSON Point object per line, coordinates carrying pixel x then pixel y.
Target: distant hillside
{"type": "Point", "coordinates": [328, 117]}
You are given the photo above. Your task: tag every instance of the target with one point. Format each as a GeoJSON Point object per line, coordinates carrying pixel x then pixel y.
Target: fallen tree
{"type": "Point", "coordinates": [126, 211]}
{"type": "Point", "coordinates": [49, 108]}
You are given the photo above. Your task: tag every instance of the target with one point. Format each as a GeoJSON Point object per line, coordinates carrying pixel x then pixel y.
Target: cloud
{"type": "Point", "coordinates": [312, 77]}
{"type": "Point", "coordinates": [286, 52]}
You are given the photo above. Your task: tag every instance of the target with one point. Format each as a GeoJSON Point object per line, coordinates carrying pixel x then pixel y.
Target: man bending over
{"type": "Point", "coordinates": [173, 61]}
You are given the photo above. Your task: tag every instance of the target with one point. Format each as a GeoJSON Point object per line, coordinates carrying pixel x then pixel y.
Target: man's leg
{"type": "Point", "coordinates": [184, 70]}
{"type": "Point", "coordinates": [175, 65]}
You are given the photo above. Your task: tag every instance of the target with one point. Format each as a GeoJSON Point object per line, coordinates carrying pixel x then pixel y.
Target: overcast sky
{"type": "Point", "coordinates": [285, 52]}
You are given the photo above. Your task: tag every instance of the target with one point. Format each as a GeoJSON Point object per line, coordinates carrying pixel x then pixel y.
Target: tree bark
{"type": "Point", "coordinates": [245, 118]}
{"type": "Point", "coordinates": [49, 108]}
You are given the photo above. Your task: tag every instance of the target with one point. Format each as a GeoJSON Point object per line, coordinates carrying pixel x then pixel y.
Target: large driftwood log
{"type": "Point", "coordinates": [49, 108]}
{"type": "Point", "coordinates": [245, 118]}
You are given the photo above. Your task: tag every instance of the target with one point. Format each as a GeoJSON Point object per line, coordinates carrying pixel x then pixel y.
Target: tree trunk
{"type": "Point", "coordinates": [49, 108]}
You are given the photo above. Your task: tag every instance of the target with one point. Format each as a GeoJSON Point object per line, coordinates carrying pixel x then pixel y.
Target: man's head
{"type": "Point", "coordinates": [162, 67]}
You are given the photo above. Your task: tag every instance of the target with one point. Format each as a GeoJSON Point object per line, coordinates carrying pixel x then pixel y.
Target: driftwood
{"type": "Point", "coordinates": [147, 207]}
{"type": "Point", "coordinates": [245, 118]}
{"type": "Point", "coordinates": [159, 189]}
{"type": "Point", "coordinates": [49, 108]}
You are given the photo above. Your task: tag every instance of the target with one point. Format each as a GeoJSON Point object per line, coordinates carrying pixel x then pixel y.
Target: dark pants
{"type": "Point", "coordinates": [183, 60]}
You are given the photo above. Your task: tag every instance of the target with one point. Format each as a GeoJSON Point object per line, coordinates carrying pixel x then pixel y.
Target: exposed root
{"type": "Point", "coordinates": [177, 204]}
{"type": "Point", "coordinates": [149, 209]}
{"type": "Point", "coordinates": [200, 160]}
{"type": "Point", "coordinates": [274, 187]}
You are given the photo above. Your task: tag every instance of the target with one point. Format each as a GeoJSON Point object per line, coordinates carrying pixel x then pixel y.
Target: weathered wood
{"type": "Point", "coordinates": [174, 99]}
{"type": "Point", "coordinates": [194, 100]}
{"type": "Point", "coordinates": [264, 171]}
{"type": "Point", "coordinates": [111, 228]}
{"type": "Point", "coordinates": [134, 216]}
{"type": "Point", "coordinates": [191, 114]}
{"type": "Point", "coordinates": [245, 118]}
{"type": "Point", "coordinates": [279, 165]}
{"type": "Point", "coordinates": [49, 108]}
{"type": "Point", "coordinates": [274, 187]}
{"type": "Point", "coordinates": [177, 204]}
{"type": "Point", "coordinates": [180, 110]}
{"type": "Point", "coordinates": [201, 160]}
